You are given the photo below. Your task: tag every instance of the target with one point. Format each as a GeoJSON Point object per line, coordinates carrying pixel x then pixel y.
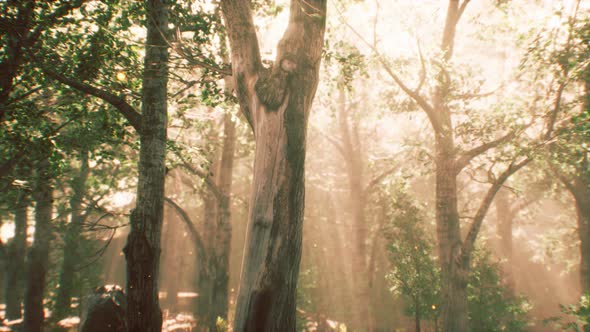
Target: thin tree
{"type": "Point", "coordinates": [13, 285]}
{"type": "Point", "coordinates": [38, 256]}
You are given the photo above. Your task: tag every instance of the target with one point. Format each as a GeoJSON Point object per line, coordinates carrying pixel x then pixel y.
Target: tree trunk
{"type": "Point", "coordinates": [214, 277]}
{"type": "Point", "coordinates": [582, 183]}
{"type": "Point", "coordinates": [453, 272]}
{"type": "Point", "coordinates": [38, 256]}
{"type": "Point", "coordinates": [219, 304]}
{"type": "Point", "coordinates": [13, 282]}
{"type": "Point", "coordinates": [417, 317]}
{"type": "Point", "coordinates": [207, 266]}
{"type": "Point", "coordinates": [13, 51]}
{"type": "Point", "coordinates": [582, 199]}
{"type": "Point", "coordinates": [505, 217]}
{"type": "Point", "coordinates": [267, 294]}
{"type": "Point", "coordinates": [583, 210]}
{"type": "Point", "coordinates": [363, 319]}
{"type": "Point", "coordinates": [143, 243]}
{"type": "Point", "coordinates": [72, 237]}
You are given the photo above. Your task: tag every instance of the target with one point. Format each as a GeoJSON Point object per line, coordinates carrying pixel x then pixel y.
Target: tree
{"type": "Point", "coordinates": [414, 273]}
{"type": "Point", "coordinates": [276, 103]}
{"type": "Point", "coordinates": [143, 245]}
{"type": "Point", "coordinates": [38, 257]}
{"type": "Point", "coordinates": [450, 160]}
{"type": "Point", "coordinates": [361, 183]}
{"type": "Point", "coordinates": [565, 62]}
{"type": "Point", "coordinates": [13, 285]}
{"type": "Point", "coordinates": [213, 243]}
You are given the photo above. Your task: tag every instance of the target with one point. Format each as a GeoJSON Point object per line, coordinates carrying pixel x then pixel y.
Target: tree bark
{"type": "Point", "coordinates": [13, 282]}
{"type": "Point", "coordinates": [580, 190]}
{"type": "Point", "coordinates": [206, 266]}
{"type": "Point", "coordinates": [214, 268]}
{"type": "Point", "coordinates": [38, 256]}
{"type": "Point", "coordinates": [142, 251]}
{"type": "Point", "coordinates": [363, 319]}
{"type": "Point", "coordinates": [71, 242]}
{"type": "Point", "coordinates": [267, 294]}
{"type": "Point", "coordinates": [417, 317]}
{"type": "Point", "coordinates": [453, 273]}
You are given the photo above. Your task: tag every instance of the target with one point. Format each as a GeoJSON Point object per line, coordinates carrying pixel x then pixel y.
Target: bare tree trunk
{"type": "Point", "coordinates": [206, 266]}
{"type": "Point", "coordinates": [417, 317]}
{"type": "Point", "coordinates": [38, 257]}
{"type": "Point", "coordinates": [72, 237]}
{"type": "Point", "coordinates": [453, 273]}
{"type": "Point", "coordinates": [219, 304]}
{"type": "Point", "coordinates": [143, 243]}
{"type": "Point", "coordinates": [582, 183]}
{"type": "Point", "coordinates": [277, 105]}
{"type": "Point", "coordinates": [13, 282]}
{"type": "Point", "coordinates": [581, 193]}
{"type": "Point", "coordinates": [363, 319]}
{"type": "Point", "coordinates": [213, 275]}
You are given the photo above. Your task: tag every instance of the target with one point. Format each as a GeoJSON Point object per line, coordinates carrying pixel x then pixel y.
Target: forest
{"type": "Point", "coordinates": [294, 165]}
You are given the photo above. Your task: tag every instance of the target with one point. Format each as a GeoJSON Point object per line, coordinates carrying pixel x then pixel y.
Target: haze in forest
{"type": "Point", "coordinates": [302, 165]}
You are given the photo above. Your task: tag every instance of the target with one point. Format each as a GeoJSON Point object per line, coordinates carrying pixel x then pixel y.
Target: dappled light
{"type": "Point", "coordinates": [295, 165]}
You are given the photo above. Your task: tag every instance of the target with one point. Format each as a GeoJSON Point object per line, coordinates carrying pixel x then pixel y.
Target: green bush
{"type": "Point", "coordinates": [492, 307]}
{"type": "Point", "coordinates": [577, 316]}
{"type": "Point", "coordinates": [415, 275]}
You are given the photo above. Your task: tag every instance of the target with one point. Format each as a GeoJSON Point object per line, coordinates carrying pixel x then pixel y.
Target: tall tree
{"type": "Point", "coordinates": [276, 102]}
{"type": "Point", "coordinates": [71, 239]}
{"type": "Point", "coordinates": [214, 269]}
{"type": "Point", "coordinates": [450, 160]}
{"type": "Point", "coordinates": [143, 244]}
{"type": "Point", "coordinates": [213, 242]}
{"type": "Point", "coordinates": [13, 285]}
{"type": "Point", "coordinates": [573, 170]}
{"type": "Point", "coordinates": [38, 256]}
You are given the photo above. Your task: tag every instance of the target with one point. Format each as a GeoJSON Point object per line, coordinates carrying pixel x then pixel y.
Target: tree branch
{"type": "Point", "coordinates": [426, 107]}
{"type": "Point", "coordinates": [422, 70]}
{"type": "Point", "coordinates": [209, 182]}
{"type": "Point", "coordinates": [245, 52]}
{"type": "Point", "coordinates": [469, 242]}
{"type": "Point", "coordinates": [376, 180]}
{"type": "Point", "coordinates": [119, 103]}
{"type": "Point", "coordinates": [52, 18]}
{"type": "Point", "coordinates": [189, 224]}
{"type": "Point", "coordinates": [462, 9]}
{"type": "Point", "coordinates": [467, 156]}
{"type": "Point", "coordinates": [23, 95]}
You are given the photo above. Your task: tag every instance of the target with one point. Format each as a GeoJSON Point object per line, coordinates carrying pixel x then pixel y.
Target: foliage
{"type": "Point", "coordinates": [578, 314]}
{"type": "Point", "coordinates": [491, 305]}
{"type": "Point", "coordinates": [415, 275]}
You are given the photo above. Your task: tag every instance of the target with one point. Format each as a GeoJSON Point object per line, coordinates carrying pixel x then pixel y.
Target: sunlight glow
{"type": "Point", "coordinates": [6, 232]}
{"type": "Point", "coordinates": [122, 199]}
{"type": "Point", "coordinates": [121, 76]}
